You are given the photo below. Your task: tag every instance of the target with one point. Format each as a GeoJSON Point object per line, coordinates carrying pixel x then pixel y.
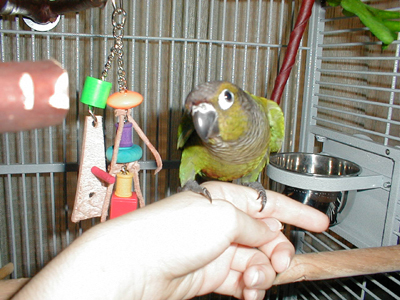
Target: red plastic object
{"type": "Point", "coordinates": [121, 206]}
{"type": "Point", "coordinates": [103, 175]}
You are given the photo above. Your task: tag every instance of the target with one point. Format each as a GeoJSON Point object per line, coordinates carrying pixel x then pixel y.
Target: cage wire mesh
{"type": "Point", "coordinates": [352, 108]}
{"type": "Point", "coordinates": [342, 84]}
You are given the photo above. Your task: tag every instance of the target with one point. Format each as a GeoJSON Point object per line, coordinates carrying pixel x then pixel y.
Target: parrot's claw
{"type": "Point", "coordinates": [193, 186]}
{"type": "Point", "coordinates": [262, 194]}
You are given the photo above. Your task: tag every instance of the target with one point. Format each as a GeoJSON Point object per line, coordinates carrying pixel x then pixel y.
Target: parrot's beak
{"type": "Point", "coordinates": [205, 120]}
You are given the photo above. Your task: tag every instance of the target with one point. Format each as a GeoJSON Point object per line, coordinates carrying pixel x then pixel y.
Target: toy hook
{"type": "Point", "coordinates": [115, 5]}
{"type": "Point", "coordinates": [94, 123]}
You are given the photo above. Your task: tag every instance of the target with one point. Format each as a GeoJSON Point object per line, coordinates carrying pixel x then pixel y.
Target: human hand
{"type": "Point", "coordinates": [190, 247]}
{"type": "Point", "coordinates": [180, 247]}
{"type": "Point", "coordinates": [235, 271]}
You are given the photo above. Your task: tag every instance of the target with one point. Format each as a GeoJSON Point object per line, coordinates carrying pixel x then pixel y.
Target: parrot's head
{"type": "Point", "coordinates": [219, 111]}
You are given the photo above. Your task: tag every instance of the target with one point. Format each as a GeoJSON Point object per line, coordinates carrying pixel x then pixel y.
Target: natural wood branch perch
{"type": "Point", "coordinates": [9, 288]}
{"type": "Point", "coordinates": [341, 263]}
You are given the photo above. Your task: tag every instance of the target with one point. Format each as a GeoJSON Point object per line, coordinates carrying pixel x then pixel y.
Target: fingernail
{"type": "Point", "coordinates": [255, 279]}
{"type": "Point", "coordinates": [258, 279]}
{"type": "Point", "coordinates": [253, 295]}
{"type": "Point", "coordinates": [287, 264]}
{"type": "Point", "coordinates": [274, 224]}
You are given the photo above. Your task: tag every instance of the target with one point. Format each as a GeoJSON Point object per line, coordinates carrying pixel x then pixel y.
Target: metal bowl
{"type": "Point", "coordinates": [314, 166]}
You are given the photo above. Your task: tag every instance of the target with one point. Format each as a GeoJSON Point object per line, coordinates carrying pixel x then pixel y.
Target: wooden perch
{"type": "Point", "coordinates": [342, 263]}
{"type": "Point", "coordinates": [9, 288]}
{"type": "Point", "coordinates": [32, 95]}
{"type": "Point", "coordinates": [6, 270]}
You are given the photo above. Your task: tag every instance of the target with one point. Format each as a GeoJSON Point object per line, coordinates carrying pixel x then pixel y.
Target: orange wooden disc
{"type": "Point", "coordinates": [124, 100]}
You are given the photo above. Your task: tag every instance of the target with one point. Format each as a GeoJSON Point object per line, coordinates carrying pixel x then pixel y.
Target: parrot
{"type": "Point", "coordinates": [227, 134]}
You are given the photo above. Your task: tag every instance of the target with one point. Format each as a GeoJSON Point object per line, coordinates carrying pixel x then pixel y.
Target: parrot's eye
{"type": "Point", "coordinates": [225, 99]}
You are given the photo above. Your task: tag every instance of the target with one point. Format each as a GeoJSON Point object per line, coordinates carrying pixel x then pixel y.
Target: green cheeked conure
{"type": "Point", "coordinates": [227, 134]}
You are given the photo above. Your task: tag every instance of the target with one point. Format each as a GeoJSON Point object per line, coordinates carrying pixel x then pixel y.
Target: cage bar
{"type": "Point", "coordinates": [342, 98]}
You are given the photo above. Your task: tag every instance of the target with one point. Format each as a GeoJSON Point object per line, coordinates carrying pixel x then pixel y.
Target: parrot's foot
{"type": "Point", "coordinates": [193, 186]}
{"type": "Point", "coordinates": [262, 194]}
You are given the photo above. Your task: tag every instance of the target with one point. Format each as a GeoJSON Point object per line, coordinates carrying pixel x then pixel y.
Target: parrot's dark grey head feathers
{"type": "Point", "coordinates": [204, 115]}
{"type": "Point", "coordinates": [220, 111]}
{"type": "Point", "coordinates": [202, 92]}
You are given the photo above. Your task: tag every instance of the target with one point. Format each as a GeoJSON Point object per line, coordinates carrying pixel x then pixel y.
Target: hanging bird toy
{"type": "Point", "coordinates": [95, 192]}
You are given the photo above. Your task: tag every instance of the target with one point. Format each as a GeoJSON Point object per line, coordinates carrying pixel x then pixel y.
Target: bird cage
{"type": "Point", "coordinates": [342, 98]}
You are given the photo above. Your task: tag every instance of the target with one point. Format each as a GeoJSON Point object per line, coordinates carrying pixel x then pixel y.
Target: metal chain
{"type": "Point", "coordinates": [118, 22]}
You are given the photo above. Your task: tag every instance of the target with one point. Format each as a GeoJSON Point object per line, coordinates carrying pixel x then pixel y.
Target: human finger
{"type": "Point", "coordinates": [280, 252]}
{"type": "Point", "coordinates": [220, 218]}
{"type": "Point", "coordinates": [278, 206]}
{"type": "Point", "coordinates": [242, 197]}
{"type": "Point", "coordinates": [256, 267]}
{"type": "Point", "coordinates": [232, 285]}
{"type": "Point", "coordinates": [253, 294]}
{"type": "Point", "coordinates": [253, 232]}
{"type": "Point", "coordinates": [295, 213]}
{"type": "Point", "coordinates": [250, 274]}
{"type": "Point", "coordinates": [282, 255]}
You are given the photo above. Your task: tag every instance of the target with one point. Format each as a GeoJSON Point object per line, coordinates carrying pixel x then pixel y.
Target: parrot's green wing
{"type": "Point", "coordinates": [277, 125]}
{"type": "Point", "coordinates": [276, 122]}
{"type": "Point", "coordinates": [185, 130]}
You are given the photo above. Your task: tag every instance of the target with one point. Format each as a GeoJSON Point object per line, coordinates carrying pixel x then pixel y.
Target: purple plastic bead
{"type": "Point", "coordinates": [126, 139]}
